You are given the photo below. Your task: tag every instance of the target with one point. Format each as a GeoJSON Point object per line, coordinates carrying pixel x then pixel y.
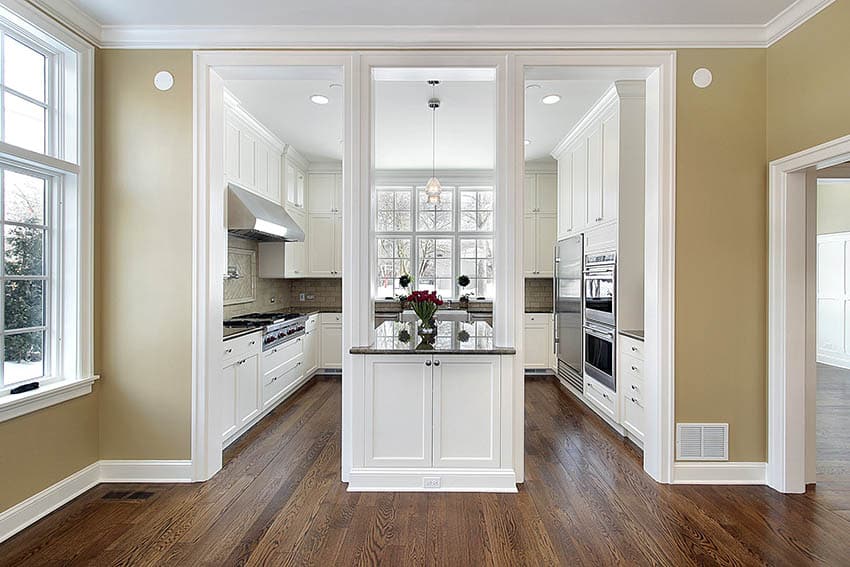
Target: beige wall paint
{"type": "Point", "coordinates": [833, 207]}
{"type": "Point", "coordinates": [144, 255]}
{"type": "Point", "coordinates": [41, 448]}
{"type": "Point", "coordinates": [808, 83]}
{"type": "Point", "coordinates": [721, 247]}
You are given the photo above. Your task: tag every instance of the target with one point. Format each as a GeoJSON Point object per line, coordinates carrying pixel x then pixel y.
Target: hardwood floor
{"type": "Point", "coordinates": [586, 501]}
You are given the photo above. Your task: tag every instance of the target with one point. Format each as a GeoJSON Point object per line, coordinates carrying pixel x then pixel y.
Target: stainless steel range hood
{"type": "Point", "coordinates": [253, 217]}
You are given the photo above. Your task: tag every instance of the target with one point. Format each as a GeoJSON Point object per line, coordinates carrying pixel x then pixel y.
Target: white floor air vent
{"type": "Point", "coordinates": [702, 441]}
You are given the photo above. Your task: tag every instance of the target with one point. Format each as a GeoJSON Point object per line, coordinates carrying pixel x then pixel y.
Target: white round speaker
{"type": "Point", "coordinates": [702, 77]}
{"type": "Point", "coordinates": [163, 80]}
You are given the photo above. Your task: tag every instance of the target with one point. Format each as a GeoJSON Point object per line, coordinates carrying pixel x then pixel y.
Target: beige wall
{"type": "Point", "coordinates": [833, 207]}
{"type": "Point", "coordinates": [721, 247]}
{"type": "Point", "coordinates": [42, 448]}
{"type": "Point", "coordinates": [808, 83]}
{"type": "Point", "coordinates": [144, 255]}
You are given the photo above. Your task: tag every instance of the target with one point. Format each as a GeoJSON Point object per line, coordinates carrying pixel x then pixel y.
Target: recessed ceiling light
{"type": "Point", "coordinates": [319, 99]}
{"type": "Point", "coordinates": [526, 142]}
{"type": "Point", "coordinates": [532, 86]}
{"type": "Point", "coordinates": [551, 99]}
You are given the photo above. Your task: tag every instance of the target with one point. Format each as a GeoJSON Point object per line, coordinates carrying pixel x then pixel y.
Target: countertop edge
{"type": "Point", "coordinates": [241, 332]}
{"type": "Point", "coordinates": [374, 351]}
{"type": "Point", "coordinates": [634, 334]}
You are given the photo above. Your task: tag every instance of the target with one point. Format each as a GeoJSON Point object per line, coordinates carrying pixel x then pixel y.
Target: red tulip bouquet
{"type": "Point", "coordinates": [424, 304]}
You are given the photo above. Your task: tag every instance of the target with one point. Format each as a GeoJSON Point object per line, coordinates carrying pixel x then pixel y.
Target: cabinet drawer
{"type": "Point", "coordinates": [312, 322]}
{"type": "Point", "coordinates": [279, 380]}
{"type": "Point", "coordinates": [282, 354]}
{"type": "Point", "coordinates": [601, 397]}
{"type": "Point", "coordinates": [330, 318]}
{"type": "Point", "coordinates": [240, 347]}
{"type": "Point", "coordinates": [634, 419]}
{"type": "Point", "coordinates": [631, 365]}
{"type": "Point", "coordinates": [537, 318]}
{"type": "Point", "coordinates": [631, 347]}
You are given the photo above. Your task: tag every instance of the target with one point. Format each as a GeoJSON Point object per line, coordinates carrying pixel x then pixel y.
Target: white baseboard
{"type": "Point", "coordinates": [39, 505]}
{"type": "Point", "coordinates": [53, 497]}
{"type": "Point", "coordinates": [834, 359]}
{"type": "Point", "coordinates": [718, 473]}
{"type": "Point", "coordinates": [145, 471]}
{"type": "Point", "coordinates": [413, 480]}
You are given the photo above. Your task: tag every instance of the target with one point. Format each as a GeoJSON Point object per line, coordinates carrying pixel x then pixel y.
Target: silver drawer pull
{"type": "Point", "coordinates": [252, 343]}
{"type": "Point", "coordinates": [634, 368]}
{"type": "Point", "coordinates": [634, 349]}
{"type": "Point", "coordinates": [436, 363]}
{"type": "Point", "coordinates": [427, 363]}
{"type": "Point", "coordinates": [634, 387]}
{"type": "Point", "coordinates": [228, 351]}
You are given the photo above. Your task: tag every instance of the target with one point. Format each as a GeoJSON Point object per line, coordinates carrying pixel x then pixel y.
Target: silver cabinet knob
{"type": "Point", "coordinates": [634, 368]}
{"type": "Point", "coordinates": [436, 363]}
{"type": "Point", "coordinates": [427, 363]}
{"type": "Point", "coordinates": [634, 349]}
{"type": "Point", "coordinates": [634, 387]}
{"type": "Point", "coordinates": [228, 350]}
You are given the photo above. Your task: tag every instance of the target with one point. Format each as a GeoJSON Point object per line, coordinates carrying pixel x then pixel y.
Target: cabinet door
{"type": "Point", "coordinates": [594, 176]}
{"type": "Point", "coordinates": [331, 346]}
{"type": "Point", "coordinates": [398, 421]}
{"type": "Point", "coordinates": [231, 149]}
{"type": "Point", "coordinates": [337, 271]}
{"type": "Point", "coordinates": [311, 351]}
{"type": "Point", "coordinates": [274, 187]}
{"type": "Point", "coordinates": [322, 196]}
{"type": "Point", "coordinates": [227, 412]}
{"type": "Point", "coordinates": [300, 184]}
{"type": "Point", "coordinates": [546, 236]}
{"type": "Point", "coordinates": [321, 247]}
{"type": "Point", "coordinates": [610, 165]}
{"type": "Point", "coordinates": [565, 194]}
{"type": "Point", "coordinates": [537, 342]}
{"type": "Point", "coordinates": [261, 168]}
{"type": "Point", "coordinates": [289, 183]}
{"type": "Point", "coordinates": [466, 411]}
{"type": "Point", "coordinates": [579, 186]}
{"type": "Point", "coordinates": [529, 245]}
{"type": "Point", "coordinates": [247, 149]}
{"type": "Point", "coordinates": [247, 389]}
{"type": "Point", "coordinates": [295, 259]}
{"type": "Point", "coordinates": [530, 193]}
{"type": "Point", "coordinates": [547, 193]}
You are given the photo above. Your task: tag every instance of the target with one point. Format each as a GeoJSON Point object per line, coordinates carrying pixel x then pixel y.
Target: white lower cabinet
{"type": "Point", "coordinates": [539, 341]}
{"type": "Point", "coordinates": [632, 384]}
{"type": "Point", "coordinates": [432, 411]}
{"type": "Point", "coordinates": [311, 345]}
{"type": "Point", "coordinates": [331, 340]}
{"type": "Point", "coordinates": [247, 389]}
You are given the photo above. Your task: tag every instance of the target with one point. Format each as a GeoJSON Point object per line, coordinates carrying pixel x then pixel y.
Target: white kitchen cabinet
{"type": "Point", "coordinates": [538, 340]}
{"type": "Point", "coordinates": [529, 245]}
{"type": "Point", "coordinates": [631, 380]}
{"type": "Point", "coordinates": [295, 259]}
{"type": "Point", "coordinates": [227, 410]}
{"type": "Point", "coordinates": [331, 340]}
{"type": "Point", "coordinates": [398, 412]}
{"type": "Point", "coordinates": [466, 408]}
{"type": "Point", "coordinates": [539, 223]}
{"type": "Point", "coordinates": [541, 193]}
{"type": "Point", "coordinates": [247, 389]}
{"type": "Point", "coordinates": [601, 162]}
{"type": "Point", "coordinates": [601, 399]}
{"type": "Point", "coordinates": [325, 192]}
{"type": "Point", "coordinates": [530, 193]}
{"type": "Point", "coordinates": [252, 154]}
{"type": "Point", "coordinates": [311, 345]}
{"type": "Point", "coordinates": [431, 411]}
{"type": "Point", "coordinates": [295, 180]}
{"type": "Point", "coordinates": [324, 245]}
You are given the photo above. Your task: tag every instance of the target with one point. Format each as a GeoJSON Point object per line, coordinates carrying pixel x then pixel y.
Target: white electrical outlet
{"type": "Point", "coordinates": [431, 482]}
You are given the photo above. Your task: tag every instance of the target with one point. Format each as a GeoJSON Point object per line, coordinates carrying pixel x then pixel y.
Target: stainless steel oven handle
{"type": "Point", "coordinates": [598, 333]}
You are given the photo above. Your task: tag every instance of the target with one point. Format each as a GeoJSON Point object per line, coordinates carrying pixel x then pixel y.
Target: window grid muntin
{"type": "Point", "coordinates": [50, 87]}
{"type": "Point", "coordinates": [394, 258]}
{"type": "Point", "coordinates": [48, 269]}
{"type": "Point", "coordinates": [395, 208]}
{"type": "Point", "coordinates": [456, 235]}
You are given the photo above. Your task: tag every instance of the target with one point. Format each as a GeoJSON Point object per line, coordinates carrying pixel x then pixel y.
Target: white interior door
{"type": "Point", "coordinates": [833, 299]}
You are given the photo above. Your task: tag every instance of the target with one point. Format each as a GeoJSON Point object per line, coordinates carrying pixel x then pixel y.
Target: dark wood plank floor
{"type": "Point", "coordinates": [586, 501]}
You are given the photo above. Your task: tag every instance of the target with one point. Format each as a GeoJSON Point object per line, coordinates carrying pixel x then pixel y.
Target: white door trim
{"type": "Point", "coordinates": [787, 313]}
{"type": "Point", "coordinates": [210, 236]}
{"type": "Point", "coordinates": [659, 317]}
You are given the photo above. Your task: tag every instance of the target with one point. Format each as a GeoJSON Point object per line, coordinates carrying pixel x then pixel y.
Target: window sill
{"type": "Point", "coordinates": [12, 406]}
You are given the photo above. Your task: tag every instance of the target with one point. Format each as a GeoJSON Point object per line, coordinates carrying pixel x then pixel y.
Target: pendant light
{"type": "Point", "coordinates": [433, 187]}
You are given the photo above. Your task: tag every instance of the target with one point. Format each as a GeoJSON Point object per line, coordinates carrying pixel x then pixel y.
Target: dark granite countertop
{"type": "Point", "coordinates": [235, 332]}
{"type": "Point", "coordinates": [453, 337]}
{"type": "Point", "coordinates": [636, 334]}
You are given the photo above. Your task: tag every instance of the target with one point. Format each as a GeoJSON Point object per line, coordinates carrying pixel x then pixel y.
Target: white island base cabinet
{"type": "Point", "coordinates": [433, 422]}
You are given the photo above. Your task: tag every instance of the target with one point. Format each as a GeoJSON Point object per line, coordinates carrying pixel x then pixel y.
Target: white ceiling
{"type": "Point", "coordinates": [435, 12]}
{"type": "Point", "coordinates": [465, 120]}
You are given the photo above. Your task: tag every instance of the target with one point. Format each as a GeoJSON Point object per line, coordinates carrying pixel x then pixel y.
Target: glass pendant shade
{"type": "Point", "coordinates": [433, 190]}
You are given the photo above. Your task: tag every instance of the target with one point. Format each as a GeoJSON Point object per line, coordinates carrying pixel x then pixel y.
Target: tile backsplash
{"type": "Point", "coordinates": [326, 293]}
{"type": "Point", "coordinates": [538, 295]}
{"type": "Point", "coordinates": [266, 289]}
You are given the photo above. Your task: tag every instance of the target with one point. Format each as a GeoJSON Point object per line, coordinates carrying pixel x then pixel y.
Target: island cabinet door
{"type": "Point", "coordinates": [398, 411]}
{"type": "Point", "coordinates": [466, 411]}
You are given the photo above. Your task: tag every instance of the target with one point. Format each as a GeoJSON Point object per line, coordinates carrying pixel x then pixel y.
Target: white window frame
{"type": "Point", "coordinates": [68, 163]}
{"type": "Point", "coordinates": [453, 182]}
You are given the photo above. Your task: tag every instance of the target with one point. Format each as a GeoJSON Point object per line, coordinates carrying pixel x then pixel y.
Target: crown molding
{"type": "Point", "coordinates": [793, 17]}
{"type": "Point", "coordinates": [412, 37]}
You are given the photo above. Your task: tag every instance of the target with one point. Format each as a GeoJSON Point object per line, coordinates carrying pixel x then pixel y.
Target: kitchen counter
{"type": "Point", "coordinates": [234, 332]}
{"type": "Point", "coordinates": [453, 337]}
{"type": "Point", "coordinates": [636, 334]}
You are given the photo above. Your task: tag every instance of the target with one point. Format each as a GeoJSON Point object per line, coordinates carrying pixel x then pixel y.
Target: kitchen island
{"type": "Point", "coordinates": [433, 416]}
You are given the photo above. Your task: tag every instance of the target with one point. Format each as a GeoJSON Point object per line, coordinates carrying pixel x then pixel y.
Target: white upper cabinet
{"type": "Point", "coordinates": [325, 192]}
{"type": "Point", "coordinates": [295, 179]}
{"type": "Point", "coordinates": [547, 192]}
{"type": "Point", "coordinates": [601, 154]}
{"type": "Point", "coordinates": [252, 154]}
{"type": "Point", "coordinates": [539, 223]}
